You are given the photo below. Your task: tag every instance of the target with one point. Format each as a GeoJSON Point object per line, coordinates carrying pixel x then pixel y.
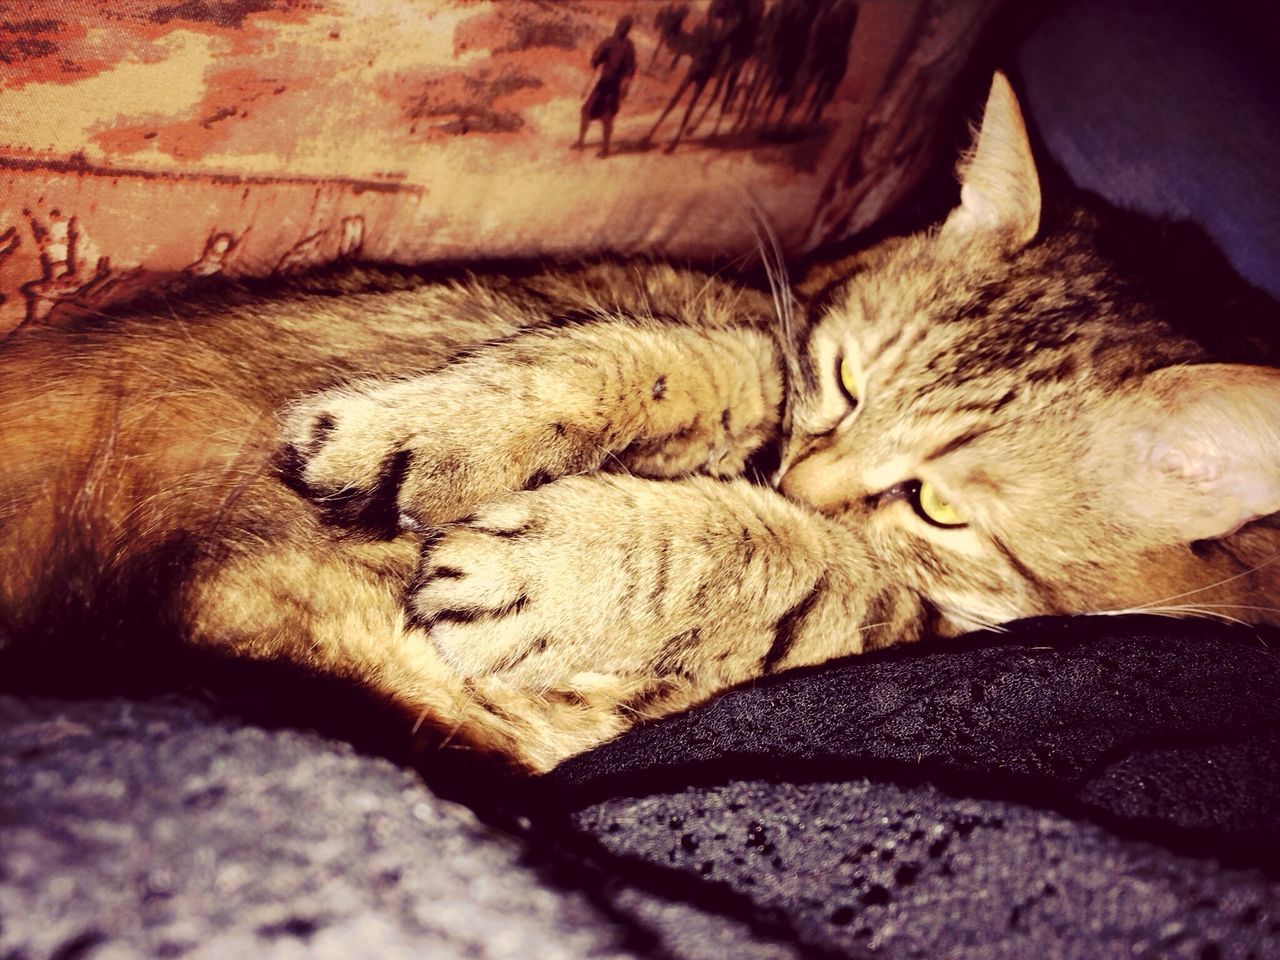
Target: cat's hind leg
{"type": "Point", "coordinates": [335, 607]}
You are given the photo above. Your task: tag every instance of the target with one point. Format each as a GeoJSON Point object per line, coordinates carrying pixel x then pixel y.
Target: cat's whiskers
{"type": "Point", "coordinates": [969, 619]}
{"type": "Point", "coordinates": [1207, 611]}
{"type": "Point", "coordinates": [713, 276]}
{"type": "Point", "coordinates": [447, 740]}
{"type": "Point", "coordinates": [775, 270]}
{"type": "Point", "coordinates": [340, 495]}
{"type": "Point", "coordinates": [417, 724]}
{"type": "Point", "coordinates": [1211, 586]}
{"type": "Point", "coordinates": [608, 455]}
{"type": "Point", "coordinates": [1195, 610]}
{"type": "Point", "coordinates": [1166, 607]}
{"type": "Point", "coordinates": [466, 693]}
{"type": "Point", "coordinates": [858, 631]}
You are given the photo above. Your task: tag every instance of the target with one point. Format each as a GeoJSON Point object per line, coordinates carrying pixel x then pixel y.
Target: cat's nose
{"type": "Point", "coordinates": [793, 450]}
{"type": "Point", "coordinates": [818, 481]}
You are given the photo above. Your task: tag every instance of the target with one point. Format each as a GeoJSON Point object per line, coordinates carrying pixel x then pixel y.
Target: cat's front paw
{"type": "Point", "coordinates": [608, 575]}
{"type": "Point", "coordinates": [418, 452]}
{"type": "Point", "coordinates": [545, 589]}
{"type": "Point", "coordinates": [338, 452]}
{"type": "Point", "coordinates": [504, 594]}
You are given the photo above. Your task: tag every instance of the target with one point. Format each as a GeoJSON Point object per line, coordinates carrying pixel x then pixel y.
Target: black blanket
{"type": "Point", "coordinates": [1086, 788]}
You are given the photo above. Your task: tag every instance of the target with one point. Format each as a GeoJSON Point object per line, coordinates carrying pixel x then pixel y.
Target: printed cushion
{"type": "Point", "coordinates": [149, 140]}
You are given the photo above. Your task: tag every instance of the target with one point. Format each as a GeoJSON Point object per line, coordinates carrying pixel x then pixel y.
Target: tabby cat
{"type": "Point", "coordinates": [513, 504]}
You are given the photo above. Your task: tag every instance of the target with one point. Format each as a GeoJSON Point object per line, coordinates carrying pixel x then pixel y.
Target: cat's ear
{"type": "Point", "coordinates": [1203, 444]}
{"type": "Point", "coordinates": [999, 187]}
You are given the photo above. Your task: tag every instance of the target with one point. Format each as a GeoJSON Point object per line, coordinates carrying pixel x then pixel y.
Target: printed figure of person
{"type": "Point", "coordinates": [64, 265]}
{"type": "Point", "coordinates": [9, 242]}
{"type": "Point", "coordinates": [615, 58]}
{"type": "Point", "coordinates": [218, 251]}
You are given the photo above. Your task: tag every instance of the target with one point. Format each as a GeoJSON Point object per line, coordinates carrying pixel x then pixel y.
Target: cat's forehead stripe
{"type": "Point", "coordinates": [987, 406]}
{"type": "Point", "coordinates": [906, 353]}
{"type": "Point", "coordinates": [951, 446]}
{"type": "Point", "coordinates": [881, 348]}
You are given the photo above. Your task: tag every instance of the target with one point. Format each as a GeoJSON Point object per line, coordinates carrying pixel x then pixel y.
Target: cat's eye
{"type": "Point", "coordinates": [935, 508]}
{"type": "Point", "coordinates": [849, 381]}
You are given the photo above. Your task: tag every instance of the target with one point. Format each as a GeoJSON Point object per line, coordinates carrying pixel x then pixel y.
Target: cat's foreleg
{"type": "Point", "coordinates": [654, 398]}
{"type": "Point", "coordinates": [685, 587]}
{"type": "Point", "coordinates": [556, 618]}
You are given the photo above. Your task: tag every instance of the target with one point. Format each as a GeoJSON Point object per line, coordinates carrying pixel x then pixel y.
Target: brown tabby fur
{"type": "Point", "coordinates": [510, 504]}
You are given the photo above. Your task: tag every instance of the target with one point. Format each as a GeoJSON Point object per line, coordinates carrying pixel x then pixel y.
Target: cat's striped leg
{"type": "Point", "coordinates": [699, 583]}
{"type": "Point", "coordinates": [659, 398]}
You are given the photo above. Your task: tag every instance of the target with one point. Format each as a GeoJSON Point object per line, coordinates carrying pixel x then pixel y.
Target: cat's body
{"type": "Point", "coordinates": [145, 478]}
{"type": "Point", "coordinates": [511, 505]}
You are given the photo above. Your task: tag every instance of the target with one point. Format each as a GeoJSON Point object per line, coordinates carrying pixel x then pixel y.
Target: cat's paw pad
{"type": "Point", "coordinates": [341, 450]}
{"type": "Point", "coordinates": [481, 598]}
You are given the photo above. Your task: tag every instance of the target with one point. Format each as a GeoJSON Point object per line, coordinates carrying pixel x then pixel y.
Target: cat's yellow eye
{"type": "Point", "coordinates": [935, 508]}
{"type": "Point", "coordinates": [849, 381]}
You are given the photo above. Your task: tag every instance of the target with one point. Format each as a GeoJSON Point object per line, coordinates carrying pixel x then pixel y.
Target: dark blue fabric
{"type": "Point", "coordinates": [1169, 107]}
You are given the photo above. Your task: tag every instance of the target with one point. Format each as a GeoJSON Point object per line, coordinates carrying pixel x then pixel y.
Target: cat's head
{"type": "Point", "coordinates": [1016, 426]}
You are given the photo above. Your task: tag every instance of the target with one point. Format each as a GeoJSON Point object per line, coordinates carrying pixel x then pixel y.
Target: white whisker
{"type": "Point", "coordinates": [969, 619]}
{"type": "Point", "coordinates": [1204, 611]}
{"type": "Point", "coordinates": [773, 261]}
{"type": "Point", "coordinates": [610, 455]}
{"type": "Point", "coordinates": [1215, 584]}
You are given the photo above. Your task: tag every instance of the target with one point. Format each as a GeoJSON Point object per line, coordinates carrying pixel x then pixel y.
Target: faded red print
{"type": "Point", "coordinates": [142, 141]}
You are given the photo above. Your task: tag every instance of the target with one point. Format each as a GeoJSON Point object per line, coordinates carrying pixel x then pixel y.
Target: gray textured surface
{"type": "Point", "coordinates": [158, 829]}
{"type": "Point", "coordinates": [153, 829]}
{"type": "Point", "coordinates": [1092, 788]}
